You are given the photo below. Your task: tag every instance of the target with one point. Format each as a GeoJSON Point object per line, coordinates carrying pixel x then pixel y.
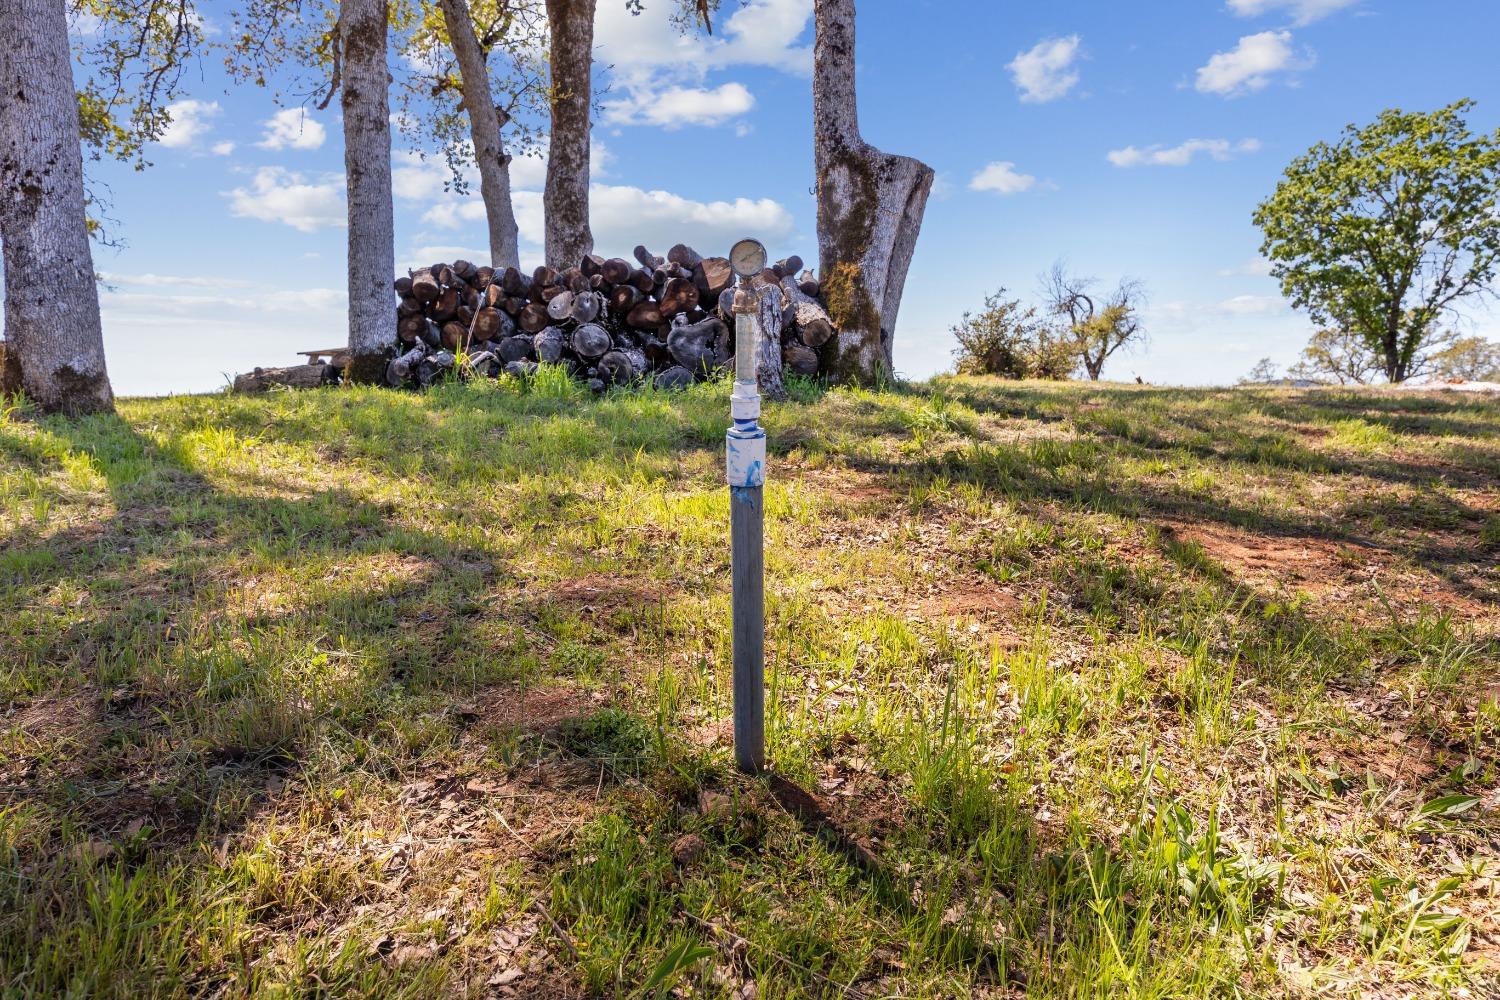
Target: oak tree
{"type": "Point", "coordinates": [362, 40]}
{"type": "Point", "coordinates": [1386, 230]}
{"type": "Point", "coordinates": [346, 49]}
{"type": "Point", "coordinates": [1471, 359]}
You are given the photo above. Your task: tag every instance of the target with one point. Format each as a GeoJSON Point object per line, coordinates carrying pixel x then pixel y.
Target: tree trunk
{"type": "Point", "coordinates": [870, 207]}
{"type": "Point", "coordinates": [770, 307]}
{"type": "Point", "coordinates": [308, 376]}
{"type": "Point", "coordinates": [484, 126]}
{"type": "Point", "coordinates": [569, 239]}
{"type": "Point", "coordinates": [367, 167]}
{"type": "Point", "coordinates": [55, 343]}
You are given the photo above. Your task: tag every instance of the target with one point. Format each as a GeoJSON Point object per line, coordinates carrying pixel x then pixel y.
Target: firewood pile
{"type": "Point", "coordinates": [608, 321]}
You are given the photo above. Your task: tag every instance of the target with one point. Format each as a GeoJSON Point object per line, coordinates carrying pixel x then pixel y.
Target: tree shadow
{"type": "Point", "coordinates": [203, 693]}
{"type": "Point", "coordinates": [165, 690]}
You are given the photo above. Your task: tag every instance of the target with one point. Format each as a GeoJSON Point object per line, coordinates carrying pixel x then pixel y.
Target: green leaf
{"type": "Point", "coordinates": [1448, 805]}
{"type": "Point", "coordinates": [678, 959]}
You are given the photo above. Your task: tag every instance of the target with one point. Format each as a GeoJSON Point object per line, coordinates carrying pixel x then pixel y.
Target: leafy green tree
{"type": "Point", "coordinates": [1385, 231]}
{"type": "Point", "coordinates": [1472, 359]}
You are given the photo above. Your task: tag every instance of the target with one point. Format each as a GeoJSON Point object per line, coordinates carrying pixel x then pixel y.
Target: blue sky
{"type": "Point", "coordinates": [1131, 138]}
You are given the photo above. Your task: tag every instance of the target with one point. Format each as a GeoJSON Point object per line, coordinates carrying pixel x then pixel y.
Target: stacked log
{"type": "Point", "coordinates": [607, 321]}
{"type": "Point", "coordinates": [308, 376]}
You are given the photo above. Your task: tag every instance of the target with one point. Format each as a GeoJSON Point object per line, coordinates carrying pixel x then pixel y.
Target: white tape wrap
{"type": "Point", "coordinates": [745, 457]}
{"type": "Point", "coordinates": [744, 407]}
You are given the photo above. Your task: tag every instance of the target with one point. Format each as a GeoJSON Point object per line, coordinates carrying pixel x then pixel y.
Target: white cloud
{"type": "Point", "coordinates": [428, 179]}
{"type": "Point", "coordinates": [1250, 64]}
{"type": "Point", "coordinates": [1302, 11]}
{"type": "Point", "coordinates": [149, 280]}
{"type": "Point", "coordinates": [619, 215]}
{"type": "Point", "coordinates": [622, 216]}
{"type": "Point", "coordinates": [222, 148]}
{"type": "Point", "coordinates": [301, 300]}
{"type": "Point", "coordinates": [292, 128]}
{"type": "Point", "coordinates": [675, 107]}
{"type": "Point", "coordinates": [266, 326]}
{"type": "Point", "coordinates": [453, 214]}
{"type": "Point", "coordinates": [190, 122]}
{"type": "Point", "coordinates": [1046, 72]}
{"type": "Point", "coordinates": [424, 255]}
{"type": "Point", "coordinates": [1231, 313]}
{"type": "Point", "coordinates": [1002, 178]}
{"type": "Point", "coordinates": [529, 173]}
{"type": "Point", "coordinates": [1252, 305]}
{"type": "Point", "coordinates": [279, 195]}
{"type": "Point", "coordinates": [1182, 154]}
{"type": "Point", "coordinates": [414, 178]}
{"type": "Point", "coordinates": [1255, 267]}
{"type": "Point", "coordinates": [659, 71]}
{"type": "Point", "coordinates": [761, 33]}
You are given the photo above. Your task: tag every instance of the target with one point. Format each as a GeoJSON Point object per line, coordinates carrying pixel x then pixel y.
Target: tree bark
{"type": "Point", "coordinates": [870, 207]}
{"type": "Point", "coordinates": [484, 127]}
{"type": "Point", "coordinates": [55, 342]}
{"type": "Point", "coordinates": [308, 376]}
{"type": "Point", "coordinates": [367, 167]}
{"type": "Point", "coordinates": [571, 23]}
{"type": "Point", "coordinates": [769, 309]}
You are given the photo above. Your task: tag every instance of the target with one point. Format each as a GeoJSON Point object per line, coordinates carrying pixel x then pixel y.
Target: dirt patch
{"type": "Point", "coordinates": [1319, 566]}
{"type": "Point", "coordinates": [48, 719]}
{"type": "Point", "coordinates": [974, 597]}
{"type": "Point", "coordinates": [711, 735]}
{"type": "Point", "coordinates": [598, 593]}
{"type": "Point", "coordinates": [535, 709]}
{"type": "Point", "coordinates": [987, 605]}
{"type": "Point", "coordinates": [853, 487]}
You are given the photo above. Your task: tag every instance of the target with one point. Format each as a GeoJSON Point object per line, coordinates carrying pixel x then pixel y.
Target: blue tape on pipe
{"type": "Point", "coordinates": [745, 456]}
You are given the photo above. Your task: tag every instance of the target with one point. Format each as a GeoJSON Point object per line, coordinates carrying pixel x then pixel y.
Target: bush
{"type": "Point", "coordinates": [1010, 340]}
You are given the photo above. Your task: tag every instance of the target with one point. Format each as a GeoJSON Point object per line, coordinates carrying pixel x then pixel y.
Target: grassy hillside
{"type": "Point", "coordinates": [1104, 692]}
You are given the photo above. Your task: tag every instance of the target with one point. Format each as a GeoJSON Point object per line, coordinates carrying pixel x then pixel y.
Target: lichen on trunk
{"type": "Point", "coordinates": [870, 206]}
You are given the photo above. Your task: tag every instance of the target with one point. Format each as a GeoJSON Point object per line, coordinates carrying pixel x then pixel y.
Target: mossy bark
{"type": "Point", "coordinates": [870, 207]}
{"type": "Point", "coordinates": [367, 169]}
{"type": "Point", "coordinates": [54, 349]}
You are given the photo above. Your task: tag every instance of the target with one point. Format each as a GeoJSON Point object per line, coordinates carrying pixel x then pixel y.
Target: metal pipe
{"type": "Point", "coordinates": [745, 469]}
{"type": "Point", "coordinates": [746, 524]}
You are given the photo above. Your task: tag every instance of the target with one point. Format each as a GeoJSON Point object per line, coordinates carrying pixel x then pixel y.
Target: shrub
{"type": "Point", "coordinates": [1010, 340]}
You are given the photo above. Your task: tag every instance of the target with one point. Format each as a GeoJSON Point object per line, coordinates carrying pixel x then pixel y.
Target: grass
{"type": "Point", "coordinates": [1103, 691]}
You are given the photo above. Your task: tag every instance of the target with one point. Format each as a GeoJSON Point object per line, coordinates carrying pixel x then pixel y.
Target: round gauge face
{"type": "Point", "coordinates": [747, 258]}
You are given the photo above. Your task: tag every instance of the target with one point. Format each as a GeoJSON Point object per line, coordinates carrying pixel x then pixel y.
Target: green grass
{"type": "Point", "coordinates": [1122, 692]}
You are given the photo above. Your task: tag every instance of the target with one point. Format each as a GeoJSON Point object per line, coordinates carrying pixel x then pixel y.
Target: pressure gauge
{"type": "Point", "coordinates": [747, 258]}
